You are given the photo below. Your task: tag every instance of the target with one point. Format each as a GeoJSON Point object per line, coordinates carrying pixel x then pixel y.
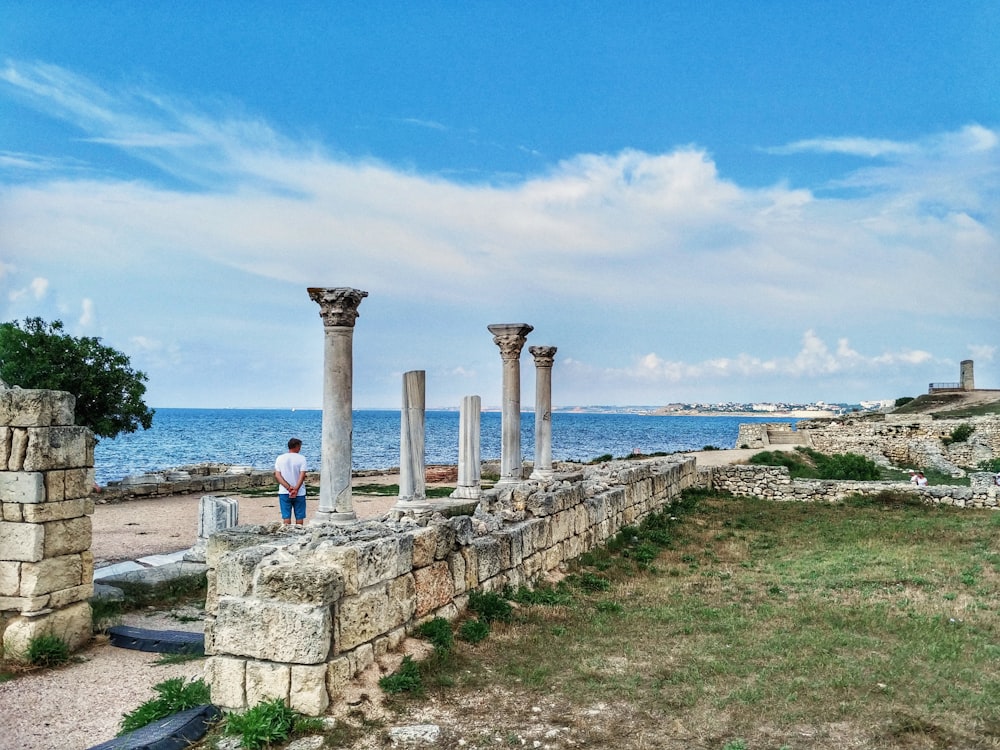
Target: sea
{"type": "Point", "coordinates": [254, 437]}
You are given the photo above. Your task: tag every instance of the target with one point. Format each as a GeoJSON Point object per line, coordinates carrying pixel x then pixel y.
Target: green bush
{"type": "Point", "coordinates": [406, 679]}
{"type": "Point", "coordinates": [48, 650]}
{"type": "Point", "coordinates": [961, 433]}
{"type": "Point", "coordinates": [438, 632]}
{"type": "Point", "coordinates": [174, 696]}
{"type": "Point", "coordinates": [546, 595]}
{"type": "Point", "coordinates": [490, 607]}
{"type": "Point", "coordinates": [602, 459]}
{"type": "Point", "coordinates": [903, 401]}
{"type": "Point", "coordinates": [474, 631]}
{"type": "Point", "coordinates": [992, 464]}
{"type": "Point", "coordinates": [849, 466]}
{"type": "Point", "coordinates": [268, 723]}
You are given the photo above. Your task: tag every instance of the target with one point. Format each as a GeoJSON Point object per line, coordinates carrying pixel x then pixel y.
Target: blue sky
{"type": "Point", "coordinates": [699, 202]}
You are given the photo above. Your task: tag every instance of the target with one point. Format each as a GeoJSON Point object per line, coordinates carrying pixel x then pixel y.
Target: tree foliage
{"type": "Point", "coordinates": [109, 393]}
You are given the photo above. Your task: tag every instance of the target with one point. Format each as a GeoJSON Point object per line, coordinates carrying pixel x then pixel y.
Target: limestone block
{"type": "Point", "coordinates": [361, 658]}
{"type": "Point", "coordinates": [363, 617]}
{"type": "Point", "coordinates": [234, 571]}
{"type": "Point", "coordinates": [344, 559]}
{"type": "Point", "coordinates": [298, 582]}
{"type": "Point", "coordinates": [308, 694]}
{"type": "Point", "coordinates": [80, 593]}
{"type": "Point", "coordinates": [78, 483]}
{"type": "Point", "coordinates": [378, 560]}
{"type": "Point", "coordinates": [87, 561]}
{"type": "Point", "coordinates": [11, 512]}
{"type": "Point", "coordinates": [434, 587]}
{"type": "Point", "coordinates": [22, 541]}
{"type": "Point", "coordinates": [24, 604]}
{"type": "Point", "coordinates": [462, 526]}
{"type": "Point", "coordinates": [5, 439]}
{"type": "Point", "coordinates": [471, 557]}
{"type": "Point", "coordinates": [60, 511]}
{"type": "Point", "coordinates": [456, 564]}
{"type": "Point", "coordinates": [273, 631]}
{"type": "Point", "coordinates": [72, 624]}
{"type": "Point", "coordinates": [425, 541]}
{"type": "Point", "coordinates": [29, 407]}
{"type": "Point", "coordinates": [266, 681]}
{"type": "Point", "coordinates": [338, 675]}
{"type": "Point", "coordinates": [10, 577]}
{"type": "Point", "coordinates": [51, 574]}
{"type": "Point", "coordinates": [18, 449]}
{"type": "Point", "coordinates": [488, 558]}
{"type": "Point", "coordinates": [402, 601]}
{"type": "Point", "coordinates": [66, 537]}
{"type": "Point", "coordinates": [226, 678]}
{"type": "Point", "coordinates": [55, 485]}
{"type": "Point", "coordinates": [22, 486]}
{"type": "Point", "coordinates": [58, 448]}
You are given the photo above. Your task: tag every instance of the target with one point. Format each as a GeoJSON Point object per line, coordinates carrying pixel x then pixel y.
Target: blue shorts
{"type": "Point", "coordinates": [287, 504]}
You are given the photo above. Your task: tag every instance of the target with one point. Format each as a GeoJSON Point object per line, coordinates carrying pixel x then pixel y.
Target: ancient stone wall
{"type": "Point", "coordinates": [183, 480]}
{"type": "Point", "coordinates": [765, 434]}
{"type": "Point", "coordinates": [774, 483]}
{"type": "Point", "coordinates": [908, 442]}
{"type": "Point", "coordinates": [46, 478]}
{"type": "Point", "coordinates": [296, 613]}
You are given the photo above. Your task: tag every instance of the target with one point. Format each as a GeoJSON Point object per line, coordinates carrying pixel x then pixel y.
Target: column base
{"type": "Point", "coordinates": [332, 516]}
{"type": "Point", "coordinates": [543, 474]}
{"type": "Point", "coordinates": [466, 493]}
{"type": "Point", "coordinates": [417, 504]}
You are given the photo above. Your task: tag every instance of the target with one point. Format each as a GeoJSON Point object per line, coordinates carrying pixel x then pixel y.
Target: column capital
{"type": "Point", "coordinates": [510, 338]}
{"type": "Point", "coordinates": [544, 355]}
{"type": "Point", "coordinates": [338, 305]}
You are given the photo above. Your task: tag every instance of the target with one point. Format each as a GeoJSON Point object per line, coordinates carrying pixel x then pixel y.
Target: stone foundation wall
{"type": "Point", "coordinates": [296, 613]}
{"type": "Point", "coordinates": [46, 478]}
{"type": "Point", "coordinates": [910, 442]}
{"type": "Point", "coordinates": [210, 478]}
{"type": "Point", "coordinates": [774, 483]}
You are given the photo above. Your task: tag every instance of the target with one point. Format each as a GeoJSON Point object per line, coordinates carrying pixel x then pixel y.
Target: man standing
{"type": "Point", "coordinates": [290, 471]}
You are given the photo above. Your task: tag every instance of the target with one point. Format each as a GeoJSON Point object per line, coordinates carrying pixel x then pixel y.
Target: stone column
{"type": "Point", "coordinates": [412, 468]}
{"type": "Point", "coordinates": [544, 356]}
{"type": "Point", "coordinates": [469, 466]}
{"type": "Point", "coordinates": [510, 338]}
{"type": "Point", "coordinates": [339, 310]}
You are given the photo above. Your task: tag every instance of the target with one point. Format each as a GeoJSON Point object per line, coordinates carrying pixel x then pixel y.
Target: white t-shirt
{"type": "Point", "coordinates": [291, 465]}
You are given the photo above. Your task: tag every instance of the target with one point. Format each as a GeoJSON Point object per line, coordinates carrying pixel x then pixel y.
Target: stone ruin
{"type": "Point", "coordinates": [46, 478]}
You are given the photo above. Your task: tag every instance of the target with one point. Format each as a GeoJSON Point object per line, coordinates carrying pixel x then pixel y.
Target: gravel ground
{"type": "Point", "coordinates": [81, 704]}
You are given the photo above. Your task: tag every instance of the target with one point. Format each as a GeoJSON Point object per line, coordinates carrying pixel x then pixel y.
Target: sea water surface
{"type": "Point", "coordinates": [254, 437]}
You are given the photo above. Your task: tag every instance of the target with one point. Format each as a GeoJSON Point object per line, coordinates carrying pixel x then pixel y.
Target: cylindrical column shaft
{"type": "Point", "coordinates": [469, 466]}
{"type": "Point", "coordinates": [544, 357]}
{"type": "Point", "coordinates": [412, 466]}
{"type": "Point", "coordinates": [339, 310]}
{"type": "Point", "coordinates": [510, 338]}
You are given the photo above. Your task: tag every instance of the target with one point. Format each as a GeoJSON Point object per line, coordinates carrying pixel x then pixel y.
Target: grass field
{"type": "Point", "coordinates": [759, 625]}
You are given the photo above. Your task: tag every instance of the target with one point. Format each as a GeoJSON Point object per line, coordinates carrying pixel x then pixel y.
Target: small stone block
{"type": "Point", "coordinates": [22, 487]}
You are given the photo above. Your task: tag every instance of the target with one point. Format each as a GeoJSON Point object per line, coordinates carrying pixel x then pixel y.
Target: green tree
{"type": "Point", "coordinates": [36, 354]}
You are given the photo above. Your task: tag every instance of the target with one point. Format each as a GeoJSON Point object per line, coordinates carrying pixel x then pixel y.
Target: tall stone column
{"type": "Point", "coordinates": [412, 466]}
{"type": "Point", "coordinates": [469, 466]}
{"type": "Point", "coordinates": [338, 309]}
{"type": "Point", "coordinates": [544, 356]}
{"type": "Point", "coordinates": [510, 338]}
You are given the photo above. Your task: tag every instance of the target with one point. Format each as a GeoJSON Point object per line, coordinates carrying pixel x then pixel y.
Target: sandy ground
{"type": "Point", "coordinates": [80, 705]}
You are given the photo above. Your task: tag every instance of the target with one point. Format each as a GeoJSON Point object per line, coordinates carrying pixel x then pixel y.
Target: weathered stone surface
{"type": "Point", "coordinates": [80, 593]}
{"type": "Point", "coordinates": [344, 559]}
{"type": "Point", "coordinates": [402, 601]}
{"type": "Point", "coordinates": [22, 487]}
{"type": "Point", "coordinates": [72, 624]}
{"type": "Point", "coordinates": [10, 577]}
{"type": "Point", "coordinates": [51, 574]}
{"type": "Point", "coordinates": [22, 541]}
{"type": "Point", "coordinates": [58, 448]}
{"type": "Point", "coordinates": [226, 677]}
{"type": "Point", "coordinates": [11, 512]}
{"type": "Point", "coordinates": [338, 675]}
{"type": "Point", "coordinates": [363, 617]}
{"type": "Point", "coordinates": [416, 735]}
{"type": "Point", "coordinates": [78, 483]}
{"type": "Point", "coordinates": [18, 448]}
{"type": "Point", "coordinates": [67, 537]}
{"type": "Point", "coordinates": [266, 681]}
{"type": "Point", "coordinates": [434, 587]}
{"type": "Point", "coordinates": [378, 561]}
{"type": "Point", "coordinates": [29, 407]}
{"type": "Point", "coordinates": [298, 582]}
{"type": "Point", "coordinates": [308, 694]}
{"type": "Point", "coordinates": [234, 571]}
{"type": "Point", "coordinates": [425, 542]}
{"type": "Point", "coordinates": [273, 631]}
{"type": "Point", "coordinates": [60, 511]}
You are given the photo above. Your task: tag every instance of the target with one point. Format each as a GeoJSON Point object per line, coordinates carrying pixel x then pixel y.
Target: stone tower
{"type": "Point", "coordinates": [966, 380]}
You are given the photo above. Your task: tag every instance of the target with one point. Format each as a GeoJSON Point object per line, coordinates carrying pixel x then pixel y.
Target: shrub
{"type": "Point", "coordinates": [474, 631]}
{"type": "Point", "coordinates": [602, 459]}
{"type": "Point", "coordinates": [547, 595]}
{"type": "Point", "coordinates": [960, 434]}
{"type": "Point", "coordinates": [174, 696]}
{"type": "Point", "coordinates": [992, 464]}
{"type": "Point", "coordinates": [490, 607]}
{"type": "Point", "coordinates": [48, 650]}
{"type": "Point", "coordinates": [268, 723]}
{"type": "Point", "coordinates": [903, 401]}
{"type": "Point", "coordinates": [406, 679]}
{"type": "Point", "coordinates": [438, 632]}
{"type": "Point", "coordinates": [849, 466]}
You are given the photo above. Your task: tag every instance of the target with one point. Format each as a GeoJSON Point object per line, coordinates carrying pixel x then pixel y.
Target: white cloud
{"type": "Point", "coordinates": [87, 313]}
{"type": "Point", "coordinates": [985, 352]}
{"type": "Point", "coordinates": [39, 287]}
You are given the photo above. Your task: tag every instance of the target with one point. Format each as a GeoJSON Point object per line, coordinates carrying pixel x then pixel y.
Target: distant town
{"type": "Point", "coordinates": [734, 409]}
